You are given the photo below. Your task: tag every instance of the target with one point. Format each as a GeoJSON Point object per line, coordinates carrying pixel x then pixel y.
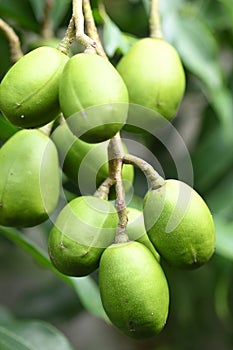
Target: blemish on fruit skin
{"type": "Point", "coordinates": [22, 116]}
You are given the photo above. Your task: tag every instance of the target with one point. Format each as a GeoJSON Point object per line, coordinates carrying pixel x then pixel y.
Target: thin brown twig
{"type": "Point", "coordinates": [46, 27]}
{"type": "Point", "coordinates": [14, 42]}
{"type": "Point", "coordinates": [91, 29]}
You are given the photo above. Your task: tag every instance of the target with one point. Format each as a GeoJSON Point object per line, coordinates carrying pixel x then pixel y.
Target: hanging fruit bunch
{"type": "Point", "coordinates": [86, 100]}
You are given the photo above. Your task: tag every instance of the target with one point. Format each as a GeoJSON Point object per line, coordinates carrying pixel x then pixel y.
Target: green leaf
{"type": "Point", "coordinates": [59, 11]}
{"type": "Point", "coordinates": [212, 159]}
{"type": "Point", "coordinates": [85, 287]}
{"type": "Point", "coordinates": [32, 335]}
{"type": "Point", "coordinates": [199, 52]}
{"type": "Point", "coordinates": [114, 39]}
{"type": "Point", "coordinates": [38, 9]}
{"type": "Point", "coordinates": [21, 12]}
{"type": "Point", "coordinates": [224, 237]}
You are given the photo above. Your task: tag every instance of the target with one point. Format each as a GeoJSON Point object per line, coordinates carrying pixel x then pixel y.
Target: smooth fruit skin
{"type": "Point", "coordinates": [29, 90]}
{"type": "Point", "coordinates": [133, 289]}
{"type": "Point", "coordinates": [154, 76]}
{"type": "Point", "coordinates": [179, 224]}
{"type": "Point", "coordinates": [85, 163]}
{"type": "Point", "coordinates": [137, 232]}
{"type": "Point", "coordinates": [82, 230]}
{"type": "Point", "coordinates": [29, 179]}
{"type": "Point", "coordinates": [93, 98]}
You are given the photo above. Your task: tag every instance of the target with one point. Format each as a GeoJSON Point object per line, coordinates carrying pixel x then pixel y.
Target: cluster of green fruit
{"type": "Point", "coordinates": [94, 99]}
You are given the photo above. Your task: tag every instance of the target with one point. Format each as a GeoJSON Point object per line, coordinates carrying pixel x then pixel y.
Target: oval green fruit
{"type": "Point", "coordinates": [179, 224]}
{"type": "Point", "coordinates": [154, 76]}
{"type": "Point", "coordinates": [93, 98]}
{"type": "Point", "coordinates": [29, 90]}
{"type": "Point", "coordinates": [29, 179]}
{"type": "Point", "coordinates": [84, 163]}
{"type": "Point", "coordinates": [82, 230]}
{"type": "Point", "coordinates": [137, 232]}
{"type": "Point", "coordinates": [133, 289]}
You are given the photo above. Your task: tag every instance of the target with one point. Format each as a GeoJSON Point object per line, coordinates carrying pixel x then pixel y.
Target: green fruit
{"type": "Point", "coordinates": [85, 163]}
{"type": "Point", "coordinates": [133, 289]}
{"type": "Point", "coordinates": [29, 90]}
{"type": "Point", "coordinates": [136, 230]}
{"type": "Point", "coordinates": [93, 98]}
{"type": "Point", "coordinates": [179, 224]}
{"type": "Point", "coordinates": [154, 76]}
{"type": "Point", "coordinates": [83, 229]}
{"type": "Point", "coordinates": [29, 179]}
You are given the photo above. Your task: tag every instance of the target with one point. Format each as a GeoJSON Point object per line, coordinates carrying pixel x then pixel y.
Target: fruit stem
{"type": "Point", "coordinates": [115, 161]}
{"type": "Point", "coordinates": [46, 29]}
{"type": "Point", "coordinates": [104, 188]}
{"type": "Point", "coordinates": [154, 20]}
{"type": "Point", "coordinates": [66, 42]}
{"type": "Point", "coordinates": [81, 37]}
{"type": "Point", "coordinates": [15, 48]}
{"type": "Point", "coordinates": [154, 179]}
{"type": "Point", "coordinates": [91, 28]}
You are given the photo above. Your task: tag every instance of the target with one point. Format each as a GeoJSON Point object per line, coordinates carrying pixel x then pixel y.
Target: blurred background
{"type": "Point", "coordinates": [201, 308]}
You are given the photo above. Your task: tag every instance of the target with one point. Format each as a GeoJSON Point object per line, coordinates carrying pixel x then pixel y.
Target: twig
{"type": "Point", "coordinates": [15, 48]}
{"type": "Point", "coordinates": [154, 20]}
{"type": "Point", "coordinates": [154, 179]}
{"type": "Point", "coordinates": [115, 156]}
{"type": "Point", "coordinates": [91, 28]}
{"type": "Point", "coordinates": [81, 37]}
{"type": "Point", "coordinates": [46, 29]}
{"type": "Point", "coordinates": [66, 42]}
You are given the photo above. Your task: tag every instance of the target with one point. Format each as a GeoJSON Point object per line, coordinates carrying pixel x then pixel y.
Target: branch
{"type": "Point", "coordinates": [115, 156]}
{"type": "Point", "coordinates": [81, 37]}
{"type": "Point", "coordinates": [15, 48]}
{"type": "Point", "coordinates": [91, 28]}
{"type": "Point", "coordinates": [46, 30]}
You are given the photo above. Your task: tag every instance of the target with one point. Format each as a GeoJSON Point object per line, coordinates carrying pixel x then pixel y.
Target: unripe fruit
{"type": "Point", "coordinates": [93, 97]}
{"type": "Point", "coordinates": [29, 90]}
{"type": "Point", "coordinates": [82, 230]}
{"type": "Point", "coordinates": [29, 179]}
{"type": "Point", "coordinates": [137, 232]}
{"type": "Point", "coordinates": [133, 289]}
{"type": "Point", "coordinates": [179, 224]}
{"type": "Point", "coordinates": [154, 76]}
{"type": "Point", "coordinates": [85, 163]}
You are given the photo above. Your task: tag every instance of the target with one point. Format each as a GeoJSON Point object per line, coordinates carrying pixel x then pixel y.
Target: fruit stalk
{"type": "Point", "coordinates": [91, 28]}
{"type": "Point", "coordinates": [68, 39]}
{"type": "Point", "coordinates": [154, 179]}
{"type": "Point", "coordinates": [115, 156]}
{"type": "Point", "coordinates": [154, 20]}
{"type": "Point", "coordinates": [81, 37]}
{"type": "Point", "coordinates": [15, 49]}
{"type": "Point", "coordinates": [104, 188]}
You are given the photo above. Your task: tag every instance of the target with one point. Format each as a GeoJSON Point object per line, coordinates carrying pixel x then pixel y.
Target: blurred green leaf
{"type": "Point", "coordinates": [32, 335]}
{"type": "Point", "coordinates": [85, 287]}
{"type": "Point", "coordinates": [212, 158]}
{"type": "Point", "coordinates": [21, 12]}
{"type": "Point", "coordinates": [38, 9]}
{"type": "Point", "coordinates": [114, 39]}
{"type": "Point", "coordinates": [199, 52]}
{"type": "Point", "coordinates": [59, 11]}
{"type": "Point", "coordinates": [224, 237]}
